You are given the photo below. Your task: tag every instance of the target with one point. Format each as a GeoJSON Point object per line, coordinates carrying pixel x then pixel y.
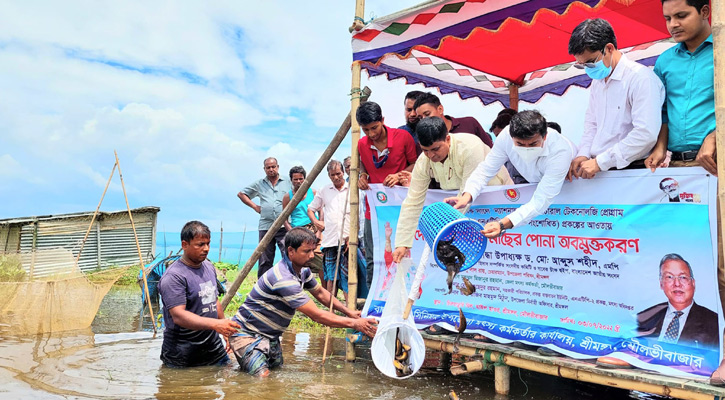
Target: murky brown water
{"type": "Point", "coordinates": [114, 360]}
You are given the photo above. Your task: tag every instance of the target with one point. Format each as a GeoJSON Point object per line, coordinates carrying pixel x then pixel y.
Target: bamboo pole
{"type": "Point", "coordinates": [316, 169]}
{"type": "Point", "coordinates": [138, 246]}
{"type": "Point", "coordinates": [95, 214]}
{"type": "Point", "coordinates": [337, 269]}
{"type": "Point", "coordinates": [514, 96]}
{"type": "Point", "coordinates": [570, 372]}
{"type": "Point", "coordinates": [356, 98]}
{"type": "Point", "coordinates": [718, 35]}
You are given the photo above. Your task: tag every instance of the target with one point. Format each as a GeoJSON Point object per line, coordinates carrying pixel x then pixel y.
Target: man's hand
{"type": "Point", "coordinates": [460, 201]}
{"type": "Point", "coordinates": [399, 253]}
{"type": "Point", "coordinates": [574, 168]}
{"type": "Point", "coordinates": [355, 314]}
{"type": "Point", "coordinates": [226, 327]}
{"type": "Point", "coordinates": [404, 178]}
{"type": "Point", "coordinates": [362, 182]}
{"type": "Point", "coordinates": [388, 231]}
{"type": "Point", "coordinates": [707, 156]}
{"type": "Point", "coordinates": [320, 225]}
{"type": "Point", "coordinates": [258, 208]}
{"type": "Point", "coordinates": [367, 326]}
{"type": "Point", "coordinates": [492, 230]}
{"type": "Point", "coordinates": [588, 169]}
{"type": "Point", "coordinates": [655, 159]}
{"type": "Point", "coordinates": [391, 180]}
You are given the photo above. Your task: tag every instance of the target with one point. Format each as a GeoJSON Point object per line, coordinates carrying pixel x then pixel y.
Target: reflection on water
{"type": "Point", "coordinates": [125, 365]}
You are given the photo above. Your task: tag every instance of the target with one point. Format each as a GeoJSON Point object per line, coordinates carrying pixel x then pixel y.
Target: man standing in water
{"type": "Point", "coordinates": [194, 318]}
{"type": "Point", "coordinates": [277, 295]}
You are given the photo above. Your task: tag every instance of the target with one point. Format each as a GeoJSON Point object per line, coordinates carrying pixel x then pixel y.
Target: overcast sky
{"type": "Point", "coordinates": [192, 95]}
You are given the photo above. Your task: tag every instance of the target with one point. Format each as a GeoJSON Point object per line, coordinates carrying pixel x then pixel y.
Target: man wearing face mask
{"type": "Point", "coordinates": [540, 154]}
{"type": "Point", "coordinates": [625, 103]}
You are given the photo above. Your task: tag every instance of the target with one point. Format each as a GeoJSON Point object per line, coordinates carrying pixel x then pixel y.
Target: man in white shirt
{"type": "Point", "coordinates": [332, 199]}
{"type": "Point", "coordinates": [541, 155]}
{"type": "Point", "coordinates": [447, 159]}
{"type": "Point", "coordinates": [624, 116]}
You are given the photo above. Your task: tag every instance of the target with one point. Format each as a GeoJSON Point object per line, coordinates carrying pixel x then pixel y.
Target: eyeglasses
{"type": "Point", "coordinates": [683, 279]}
{"type": "Point", "coordinates": [588, 64]}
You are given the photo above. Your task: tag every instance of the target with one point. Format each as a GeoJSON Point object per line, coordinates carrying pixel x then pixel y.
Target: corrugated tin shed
{"type": "Point", "coordinates": [110, 242]}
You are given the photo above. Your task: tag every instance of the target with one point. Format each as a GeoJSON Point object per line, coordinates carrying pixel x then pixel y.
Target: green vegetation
{"type": "Point", "coordinates": [11, 268]}
{"type": "Point", "coordinates": [129, 277]}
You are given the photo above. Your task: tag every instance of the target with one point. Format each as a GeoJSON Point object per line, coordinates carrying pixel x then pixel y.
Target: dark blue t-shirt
{"type": "Point", "coordinates": [196, 289]}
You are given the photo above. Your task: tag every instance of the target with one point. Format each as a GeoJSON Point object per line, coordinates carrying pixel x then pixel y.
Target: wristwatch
{"type": "Point", "coordinates": [503, 228]}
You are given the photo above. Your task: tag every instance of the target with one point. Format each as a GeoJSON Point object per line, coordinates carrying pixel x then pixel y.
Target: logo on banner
{"type": "Point", "coordinates": [382, 197]}
{"type": "Point", "coordinates": [512, 194]}
{"type": "Point", "coordinates": [671, 188]}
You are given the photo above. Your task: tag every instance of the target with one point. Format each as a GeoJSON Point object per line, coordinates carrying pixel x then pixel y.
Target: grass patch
{"type": "Point", "coordinates": [129, 277]}
{"type": "Point", "coordinates": [11, 268]}
{"type": "Point", "coordinates": [300, 322]}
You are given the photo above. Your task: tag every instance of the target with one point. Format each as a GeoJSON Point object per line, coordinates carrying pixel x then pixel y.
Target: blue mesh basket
{"type": "Point", "coordinates": [440, 221]}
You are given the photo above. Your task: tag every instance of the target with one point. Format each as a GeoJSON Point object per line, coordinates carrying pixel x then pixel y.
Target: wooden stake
{"type": "Point", "coordinates": [241, 247]}
{"type": "Point", "coordinates": [316, 169]}
{"type": "Point", "coordinates": [221, 239]}
{"type": "Point", "coordinates": [83, 243]}
{"type": "Point", "coordinates": [502, 379]}
{"type": "Point", "coordinates": [138, 247]}
{"type": "Point", "coordinates": [337, 268]}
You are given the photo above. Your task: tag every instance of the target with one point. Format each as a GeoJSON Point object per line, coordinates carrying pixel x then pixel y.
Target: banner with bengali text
{"type": "Point", "coordinates": [584, 278]}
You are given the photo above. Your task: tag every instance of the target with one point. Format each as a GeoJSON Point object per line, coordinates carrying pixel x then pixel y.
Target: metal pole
{"type": "Point", "coordinates": [319, 166]}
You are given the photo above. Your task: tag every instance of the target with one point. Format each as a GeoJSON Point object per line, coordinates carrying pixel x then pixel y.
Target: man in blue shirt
{"type": "Point", "coordinates": [686, 70]}
{"type": "Point", "coordinates": [270, 190]}
{"type": "Point", "coordinates": [688, 115]}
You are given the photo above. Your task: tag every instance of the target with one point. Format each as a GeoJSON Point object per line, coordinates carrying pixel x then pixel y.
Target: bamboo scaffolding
{"type": "Point", "coordinates": [138, 246]}
{"type": "Point", "coordinates": [314, 172]}
{"type": "Point", "coordinates": [718, 36]}
{"type": "Point", "coordinates": [357, 97]}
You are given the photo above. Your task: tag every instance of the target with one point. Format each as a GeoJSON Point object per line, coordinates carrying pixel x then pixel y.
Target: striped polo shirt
{"type": "Point", "coordinates": [271, 304]}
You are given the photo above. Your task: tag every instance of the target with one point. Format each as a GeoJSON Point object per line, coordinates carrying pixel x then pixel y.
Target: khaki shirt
{"type": "Point", "coordinates": [464, 155]}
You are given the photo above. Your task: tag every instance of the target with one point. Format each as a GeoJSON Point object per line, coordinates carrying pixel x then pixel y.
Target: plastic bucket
{"type": "Point", "coordinates": [440, 221]}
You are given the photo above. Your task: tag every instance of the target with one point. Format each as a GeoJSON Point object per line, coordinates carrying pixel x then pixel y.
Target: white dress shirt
{"type": "Point", "coordinates": [332, 202]}
{"type": "Point", "coordinates": [670, 316]}
{"type": "Point", "coordinates": [624, 116]}
{"type": "Point", "coordinates": [549, 171]}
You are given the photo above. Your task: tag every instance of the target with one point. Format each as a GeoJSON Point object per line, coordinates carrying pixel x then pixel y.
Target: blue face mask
{"type": "Point", "coordinates": [599, 70]}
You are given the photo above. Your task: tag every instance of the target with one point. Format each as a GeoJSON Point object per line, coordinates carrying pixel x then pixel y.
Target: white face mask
{"type": "Point", "coordinates": [528, 154]}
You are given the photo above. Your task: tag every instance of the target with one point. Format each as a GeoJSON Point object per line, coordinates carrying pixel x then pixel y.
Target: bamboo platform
{"type": "Point", "coordinates": [502, 357]}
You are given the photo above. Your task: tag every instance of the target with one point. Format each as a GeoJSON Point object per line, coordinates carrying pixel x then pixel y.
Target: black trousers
{"type": "Point", "coordinates": [266, 260]}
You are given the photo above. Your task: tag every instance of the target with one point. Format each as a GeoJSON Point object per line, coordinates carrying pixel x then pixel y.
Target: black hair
{"type": "Point", "coordinates": [509, 111]}
{"type": "Point", "coordinates": [527, 124]}
{"type": "Point", "coordinates": [413, 95]}
{"type": "Point", "coordinates": [675, 257]}
{"type": "Point", "coordinates": [296, 236]}
{"type": "Point", "coordinates": [298, 169]}
{"type": "Point", "coordinates": [427, 98]}
{"type": "Point", "coordinates": [553, 125]}
{"type": "Point", "coordinates": [591, 35]}
{"type": "Point", "coordinates": [662, 182]}
{"type": "Point", "coordinates": [431, 130]}
{"type": "Point", "coordinates": [698, 4]}
{"type": "Point", "coordinates": [501, 121]}
{"type": "Point", "coordinates": [368, 113]}
{"type": "Point", "coordinates": [193, 229]}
